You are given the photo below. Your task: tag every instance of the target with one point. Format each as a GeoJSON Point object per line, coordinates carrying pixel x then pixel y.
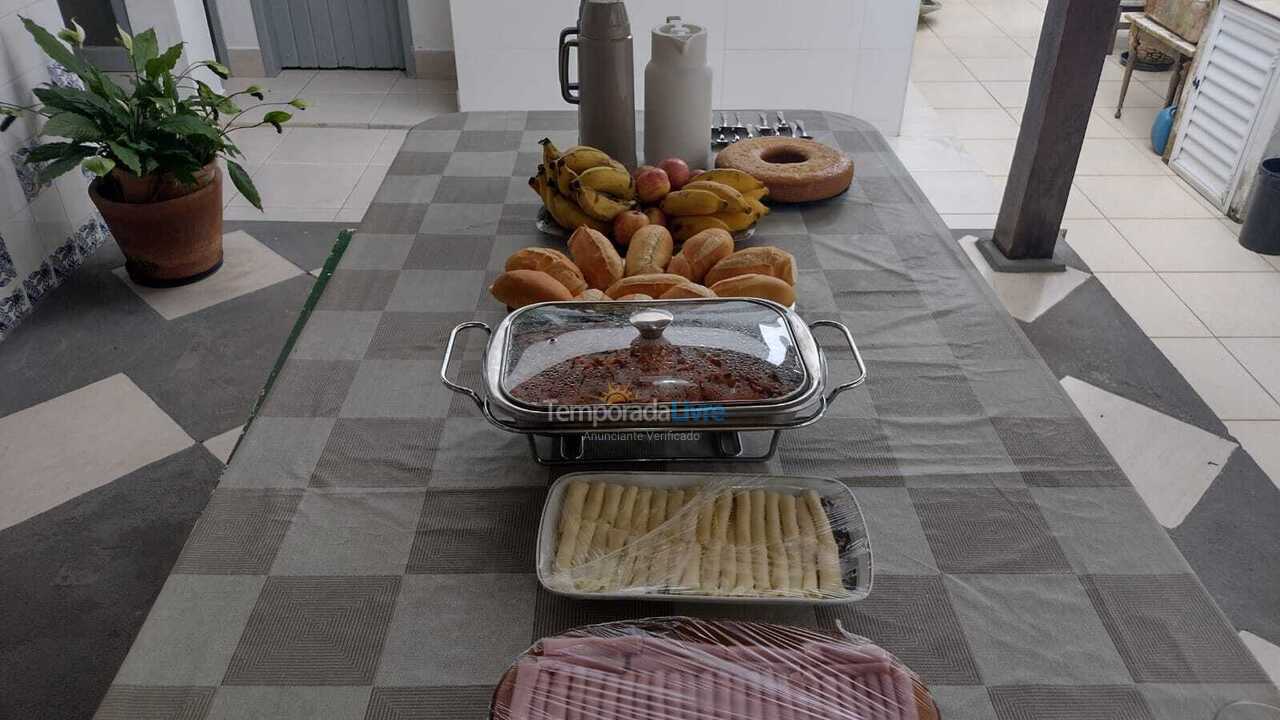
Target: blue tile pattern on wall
{"type": "Point", "coordinates": [12, 308]}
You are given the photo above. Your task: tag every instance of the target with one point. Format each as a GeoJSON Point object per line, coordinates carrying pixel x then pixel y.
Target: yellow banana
{"type": "Point", "coordinates": [693, 202]}
{"type": "Point", "coordinates": [599, 205]}
{"type": "Point", "coordinates": [539, 184]}
{"type": "Point", "coordinates": [683, 228]}
{"type": "Point", "coordinates": [549, 152]}
{"type": "Point", "coordinates": [737, 203]}
{"type": "Point", "coordinates": [609, 180]}
{"type": "Point", "coordinates": [569, 216]}
{"type": "Point", "coordinates": [736, 179]}
{"type": "Point", "coordinates": [581, 158]}
{"type": "Point", "coordinates": [758, 194]}
{"type": "Point", "coordinates": [737, 221]}
{"type": "Point", "coordinates": [759, 208]}
{"type": "Point", "coordinates": [564, 177]}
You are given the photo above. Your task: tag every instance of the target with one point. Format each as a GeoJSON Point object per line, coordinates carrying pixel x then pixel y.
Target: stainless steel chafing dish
{"type": "Point", "coordinates": [670, 379]}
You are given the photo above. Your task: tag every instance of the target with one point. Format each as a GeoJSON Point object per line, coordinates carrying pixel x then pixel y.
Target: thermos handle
{"type": "Point", "coordinates": [566, 87]}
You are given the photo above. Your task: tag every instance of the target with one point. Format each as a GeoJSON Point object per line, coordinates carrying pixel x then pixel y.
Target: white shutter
{"type": "Point", "coordinates": [1232, 79]}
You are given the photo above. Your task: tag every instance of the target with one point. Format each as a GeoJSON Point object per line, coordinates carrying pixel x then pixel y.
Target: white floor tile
{"type": "Point", "coordinates": [1232, 304]}
{"type": "Point", "coordinates": [1026, 296]}
{"type": "Point", "coordinates": [1169, 462]}
{"type": "Point", "coordinates": [280, 214]}
{"type": "Point", "coordinates": [1261, 439]}
{"type": "Point", "coordinates": [979, 124]}
{"type": "Point", "coordinates": [1261, 357]}
{"type": "Point", "coordinates": [1117, 157]}
{"type": "Point", "coordinates": [328, 146]}
{"type": "Point", "coordinates": [970, 222]}
{"type": "Point", "coordinates": [353, 109]}
{"type": "Point", "coordinates": [1134, 123]}
{"type": "Point", "coordinates": [1001, 69]}
{"type": "Point", "coordinates": [924, 122]}
{"type": "Point", "coordinates": [366, 188]}
{"type": "Point", "coordinates": [1139, 96]}
{"type": "Point", "coordinates": [945, 95]}
{"type": "Point", "coordinates": [1219, 379]}
{"type": "Point", "coordinates": [985, 48]}
{"type": "Point", "coordinates": [1140, 197]}
{"type": "Point", "coordinates": [247, 265]}
{"type": "Point", "coordinates": [1100, 127]}
{"type": "Point", "coordinates": [299, 185]}
{"type": "Point", "coordinates": [281, 88]}
{"type": "Point", "coordinates": [222, 445]}
{"type": "Point", "coordinates": [1268, 655]}
{"type": "Point", "coordinates": [352, 81]}
{"type": "Point", "coordinates": [390, 146]}
{"type": "Point", "coordinates": [962, 21]}
{"type": "Point", "coordinates": [408, 85]}
{"type": "Point", "coordinates": [257, 143]}
{"type": "Point", "coordinates": [937, 68]}
{"type": "Point", "coordinates": [959, 193]}
{"type": "Point", "coordinates": [1151, 304]}
{"type": "Point", "coordinates": [994, 157]}
{"type": "Point", "coordinates": [1078, 206]}
{"type": "Point", "coordinates": [945, 154]}
{"type": "Point", "coordinates": [64, 447]}
{"type": "Point", "coordinates": [350, 214]}
{"type": "Point", "coordinates": [409, 110]}
{"type": "Point", "coordinates": [1102, 247]}
{"type": "Point", "coordinates": [1009, 94]}
{"type": "Point", "coordinates": [1189, 245]}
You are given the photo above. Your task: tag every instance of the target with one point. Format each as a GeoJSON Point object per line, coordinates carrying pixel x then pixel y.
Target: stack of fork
{"type": "Point", "coordinates": [727, 133]}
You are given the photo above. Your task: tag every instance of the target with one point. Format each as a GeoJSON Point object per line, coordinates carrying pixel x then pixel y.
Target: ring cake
{"type": "Point", "coordinates": [794, 169]}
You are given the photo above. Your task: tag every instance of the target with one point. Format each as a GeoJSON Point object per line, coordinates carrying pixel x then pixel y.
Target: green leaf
{"type": "Point", "coordinates": [73, 126]}
{"type": "Point", "coordinates": [275, 117]}
{"type": "Point", "coordinates": [186, 125]}
{"type": "Point", "coordinates": [244, 183]}
{"type": "Point", "coordinates": [219, 69]}
{"type": "Point", "coordinates": [145, 49]}
{"type": "Point", "coordinates": [159, 66]}
{"type": "Point", "coordinates": [98, 165]}
{"type": "Point", "coordinates": [126, 39]}
{"type": "Point", "coordinates": [85, 103]}
{"type": "Point", "coordinates": [73, 35]}
{"type": "Point", "coordinates": [55, 150]}
{"type": "Point", "coordinates": [299, 103]}
{"type": "Point", "coordinates": [64, 163]}
{"type": "Point", "coordinates": [126, 156]}
{"type": "Point", "coordinates": [54, 48]}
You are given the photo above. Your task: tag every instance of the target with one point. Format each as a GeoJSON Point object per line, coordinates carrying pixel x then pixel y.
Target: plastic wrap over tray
{"type": "Point", "coordinates": [680, 668]}
{"type": "Point", "coordinates": [711, 537]}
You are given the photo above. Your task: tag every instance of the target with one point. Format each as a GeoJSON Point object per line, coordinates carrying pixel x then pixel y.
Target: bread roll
{"type": "Point", "coordinates": [552, 262]}
{"type": "Point", "coordinates": [700, 253]}
{"type": "Point", "coordinates": [591, 295]}
{"type": "Point", "coordinates": [635, 296]}
{"type": "Point", "coordinates": [686, 291]}
{"type": "Point", "coordinates": [649, 251]}
{"type": "Point", "coordinates": [594, 255]}
{"type": "Point", "coordinates": [653, 285]}
{"type": "Point", "coordinates": [756, 286]}
{"type": "Point", "coordinates": [518, 288]}
{"type": "Point", "coordinates": [757, 260]}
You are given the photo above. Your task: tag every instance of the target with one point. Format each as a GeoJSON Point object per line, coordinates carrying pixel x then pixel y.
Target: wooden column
{"type": "Point", "coordinates": [1073, 46]}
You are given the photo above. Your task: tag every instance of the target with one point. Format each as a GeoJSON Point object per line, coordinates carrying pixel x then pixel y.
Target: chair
{"type": "Point", "coordinates": [1142, 28]}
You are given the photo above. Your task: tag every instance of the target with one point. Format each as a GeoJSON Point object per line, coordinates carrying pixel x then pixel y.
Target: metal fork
{"type": "Point", "coordinates": [784, 128]}
{"type": "Point", "coordinates": [800, 131]}
{"type": "Point", "coordinates": [765, 128]}
{"type": "Point", "coordinates": [738, 128]}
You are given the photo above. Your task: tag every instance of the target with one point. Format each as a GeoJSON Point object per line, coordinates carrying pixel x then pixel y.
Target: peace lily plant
{"type": "Point", "coordinates": [150, 145]}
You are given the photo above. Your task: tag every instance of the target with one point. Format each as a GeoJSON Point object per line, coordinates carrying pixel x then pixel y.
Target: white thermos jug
{"type": "Point", "coordinates": [677, 95]}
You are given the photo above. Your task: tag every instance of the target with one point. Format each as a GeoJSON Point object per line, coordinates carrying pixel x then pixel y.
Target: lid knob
{"type": "Point", "coordinates": [651, 323]}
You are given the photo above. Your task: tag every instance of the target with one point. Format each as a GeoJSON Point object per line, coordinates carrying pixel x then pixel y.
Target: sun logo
{"type": "Point", "coordinates": [617, 395]}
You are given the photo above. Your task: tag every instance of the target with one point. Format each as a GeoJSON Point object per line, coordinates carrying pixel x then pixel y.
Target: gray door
{"type": "Point", "coordinates": [99, 18]}
{"type": "Point", "coordinates": [335, 33]}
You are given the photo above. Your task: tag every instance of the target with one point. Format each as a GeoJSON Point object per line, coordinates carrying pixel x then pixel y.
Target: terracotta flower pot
{"type": "Point", "coordinates": [171, 242]}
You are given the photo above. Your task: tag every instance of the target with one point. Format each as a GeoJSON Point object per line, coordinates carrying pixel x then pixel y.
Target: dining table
{"type": "Point", "coordinates": [369, 552]}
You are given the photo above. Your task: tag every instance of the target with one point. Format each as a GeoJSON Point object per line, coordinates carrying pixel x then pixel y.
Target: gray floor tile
{"type": "Point", "coordinates": [974, 530]}
{"type": "Point", "coordinates": [488, 140]}
{"type": "Point", "coordinates": [310, 388]}
{"type": "Point", "coordinates": [487, 190]}
{"type": "Point", "coordinates": [431, 141]}
{"type": "Point", "coordinates": [305, 244]}
{"type": "Point", "coordinates": [1107, 530]}
{"type": "Point", "coordinates": [418, 163]}
{"type": "Point", "coordinates": [430, 703]}
{"type": "Point", "coordinates": [457, 629]}
{"type": "Point", "coordinates": [395, 218]}
{"type": "Point", "coordinates": [470, 531]}
{"type": "Point", "coordinates": [239, 532]}
{"type": "Point", "coordinates": [315, 631]}
{"type": "Point", "coordinates": [278, 453]}
{"type": "Point", "coordinates": [413, 335]}
{"type": "Point", "coordinates": [368, 251]}
{"type": "Point", "coordinates": [407, 189]}
{"type": "Point", "coordinates": [192, 631]}
{"type": "Point", "coordinates": [1009, 619]}
{"type": "Point", "coordinates": [378, 453]}
{"type": "Point", "coordinates": [493, 121]}
{"type": "Point", "coordinates": [481, 164]}
{"type": "Point", "coordinates": [357, 533]}
{"type": "Point", "coordinates": [336, 335]}
{"type": "Point", "coordinates": [289, 703]}
{"type": "Point", "coordinates": [126, 702]}
{"type": "Point", "coordinates": [396, 389]}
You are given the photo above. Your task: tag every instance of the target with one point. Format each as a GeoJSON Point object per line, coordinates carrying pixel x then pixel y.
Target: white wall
{"type": "Point", "coordinates": [850, 56]}
{"type": "Point", "coordinates": [238, 30]}
{"type": "Point", "coordinates": [432, 24]}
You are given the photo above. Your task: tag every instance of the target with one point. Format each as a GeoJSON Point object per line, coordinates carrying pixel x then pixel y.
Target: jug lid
{"type": "Point", "coordinates": [675, 27]}
{"type": "Point", "coordinates": [604, 19]}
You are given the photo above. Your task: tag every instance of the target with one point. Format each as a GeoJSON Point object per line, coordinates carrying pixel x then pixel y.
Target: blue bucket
{"type": "Point", "coordinates": [1162, 128]}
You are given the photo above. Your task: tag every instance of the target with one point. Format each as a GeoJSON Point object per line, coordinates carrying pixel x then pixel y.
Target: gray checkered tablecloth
{"type": "Point", "coordinates": [369, 552]}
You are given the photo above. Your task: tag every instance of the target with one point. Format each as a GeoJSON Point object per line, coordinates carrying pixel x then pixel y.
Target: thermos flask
{"type": "Point", "coordinates": [677, 95]}
{"type": "Point", "coordinates": [605, 92]}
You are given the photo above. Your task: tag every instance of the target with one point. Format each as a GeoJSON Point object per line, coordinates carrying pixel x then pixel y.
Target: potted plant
{"type": "Point", "coordinates": [153, 149]}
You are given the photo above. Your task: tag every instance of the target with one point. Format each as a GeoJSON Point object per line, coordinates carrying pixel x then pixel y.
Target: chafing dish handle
{"type": "Point", "coordinates": [448, 355]}
{"type": "Point", "coordinates": [857, 357]}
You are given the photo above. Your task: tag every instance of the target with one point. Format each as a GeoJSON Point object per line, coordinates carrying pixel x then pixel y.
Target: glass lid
{"type": "Point", "coordinates": [686, 351]}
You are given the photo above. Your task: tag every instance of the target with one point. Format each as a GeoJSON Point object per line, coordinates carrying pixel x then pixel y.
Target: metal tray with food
{"type": "Point", "coordinates": [759, 539]}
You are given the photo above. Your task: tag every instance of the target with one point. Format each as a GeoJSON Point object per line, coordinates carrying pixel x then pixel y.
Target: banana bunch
{"type": "Point", "coordinates": [722, 198]}
{"type": "Point", "coordinates": [582, 186]}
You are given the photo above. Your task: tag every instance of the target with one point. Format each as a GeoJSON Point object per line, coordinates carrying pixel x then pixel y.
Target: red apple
{"type": "Point", "coordinates": [626, 225]}
{"type": "Point", "coordinates": [656, 216]}
{"type": "Point", "coordinates": [636, 173]}
{"type": "Point", "coordinates": [677, 171]}
{"type": "Point", "coordinates": [652, 185]}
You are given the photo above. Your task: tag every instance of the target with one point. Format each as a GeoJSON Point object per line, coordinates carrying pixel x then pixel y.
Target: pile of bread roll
{"type": "Point", "coordinates": [708, 541]}
{"type": "Point", "coordinates": [706, 266]}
